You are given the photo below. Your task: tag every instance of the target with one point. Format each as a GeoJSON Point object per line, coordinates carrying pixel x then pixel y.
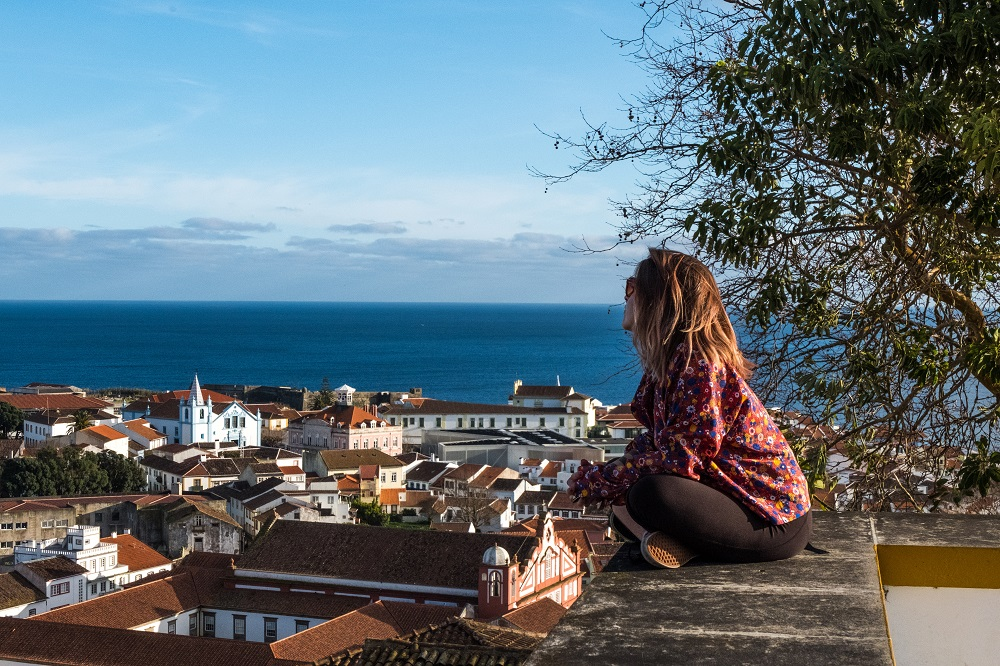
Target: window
{"type": "Point", "coordinates": [6, 544]}
{"type": "Point", "coordinates": [243, 422]}
{"type": "Point", "coordinates": [201, 415]}
{"type": "Point", "coordinates": [495, 583]}
{"type": "Point", "coordinates": [541, 422]}
{"type": "Point", "coordinates": [104, 563]}
{"type": "Point", "coordinates": [31, 612]}
{"type": "Point", "coordinates": [47, 524]}
{"type": "Point", "coordinates": [392, 420]}
{"type": "Point", "coordinates": [208, 624]}
{"type": "Point", "coordinates": [270, 629]}
{"type": "Point", "coordinates": [175, 431]}
{"type": "Point", "coordinates": [562, 420]}
{"type": "Point", "coordinates": [227, 423]}
{"type": "Point", "coordinates": [577, 420]}
{"type": "Point", "coordinates": [62, 523]}
{"type": "Point", "coordinates": [421, 422]}
{"type": "Point", "coordinates": [93, 588]}
{"type": "Point", "coordinates": [98, 517]}
{"type": "Point", "coordinates": [301, 625]}
{"type": "Point", "coordinates": [394, 477]}
{"type": "Point", "coordinates": [240, 627]}
{"type": "Point", "coordinates": [509, 421]}
{"type": "Point", "coordinates": [116, 515]}
{"type": "Point", "coordinates": [193, 624]}
{"type": "Point", "coordinates": [20, 526]}
{"type": "Point", "coordinates": [493, 422]}
{"type": "Point", "coordinates": [172, 627]}
{"type": "Point", "coordinates": [104, 586]}
{"type": "Point", "coordinates": [437, 422]}
{"type": "Point", "coordinates": [459, 421]}
{"type": "Point", "coordinates": [480, 422]}
{"type": "Point", "coordinates": [60, 588]}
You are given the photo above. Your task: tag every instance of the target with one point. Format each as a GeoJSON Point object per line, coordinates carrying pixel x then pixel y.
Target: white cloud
{"type": "Point", "coordinates": [66, 264]}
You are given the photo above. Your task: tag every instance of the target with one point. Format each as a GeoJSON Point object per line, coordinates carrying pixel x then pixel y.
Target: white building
{"type": "Point", "coordinates": [103, 570]}
{"type": "Point", "coordinates": [194, 418]}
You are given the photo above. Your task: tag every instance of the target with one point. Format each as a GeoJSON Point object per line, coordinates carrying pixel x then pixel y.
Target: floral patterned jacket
{"type": "Point", "coordinates": [703, 422]}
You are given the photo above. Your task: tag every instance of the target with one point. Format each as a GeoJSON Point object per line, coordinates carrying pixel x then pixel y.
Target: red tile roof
{"type": "Point", "coordinates": [50, 401]}
{"type": "Point", "coordinates": [141, 427]}
{"type": "Point", "coordinates": [16, 590]}
{"type": "Point", "coordinates": [184, 394]}
{"type": "Point", "coordinates": [54, 568]}
{"type": "Point", "coordinates": [390, 496]}
{"type": "Point", "coordinates": [358, 552]}
{"type": "Point", "coordinates": [539, 617]}
{"type": "Point", "coordinates": [378, 620]}
{"type": "Point", "coordinates": [107, 433]}
{"type": "Point", "coordinates": [135, 554]}
{"type": "Point", "coordinates": [43, 642]}
{"type": "Point", "coordinates": [551, 470]}
{"type": "Point", "coordinates": [133, 607]}
{"type": "Point", "coordinates": [353, 459]}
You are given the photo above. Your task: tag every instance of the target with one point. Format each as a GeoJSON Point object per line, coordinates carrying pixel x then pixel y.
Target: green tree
{"type": "Point", "coordinates": [837, 164]}
{"type": "Point", "coordinates": [370, 513]}
{"type": "Point", "coordinates": [55, 471]}
{"type": "Point", "coordinates": [124, 475]}
{"type": "Point", "coordinates": [324, 397]}
{"type": "Point", "coordinates": [82, 419]}
{"type": "Point", "coordinates": [11, 420]}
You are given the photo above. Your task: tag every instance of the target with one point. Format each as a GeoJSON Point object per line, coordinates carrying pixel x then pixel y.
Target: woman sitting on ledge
{"type": "Point", "coordinates": [712, 476]}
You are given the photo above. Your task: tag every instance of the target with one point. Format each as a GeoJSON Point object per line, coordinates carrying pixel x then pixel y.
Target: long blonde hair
{"type": "Point", "coordinates": [678, 302]}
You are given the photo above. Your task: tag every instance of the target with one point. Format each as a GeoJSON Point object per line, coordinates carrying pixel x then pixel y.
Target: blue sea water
{"type": "Point", "coordinates": [470, 352]}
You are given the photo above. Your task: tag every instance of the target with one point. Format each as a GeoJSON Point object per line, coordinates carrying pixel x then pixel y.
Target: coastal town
{"type": "Point", "coordinates": [306, 526]}
{"type": "Point", "coordinates": [311, 526]}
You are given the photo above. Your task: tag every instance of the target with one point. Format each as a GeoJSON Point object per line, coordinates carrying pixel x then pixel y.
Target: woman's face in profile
{"type": "Point", "coordinates": [628, 320]}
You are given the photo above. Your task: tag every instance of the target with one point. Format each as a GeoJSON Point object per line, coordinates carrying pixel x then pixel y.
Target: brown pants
{"type": "Point", "coordinates": [712, 523]}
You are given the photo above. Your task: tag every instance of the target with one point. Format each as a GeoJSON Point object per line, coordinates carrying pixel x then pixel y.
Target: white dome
{"type": "Point", "coordinates": [496, 556]}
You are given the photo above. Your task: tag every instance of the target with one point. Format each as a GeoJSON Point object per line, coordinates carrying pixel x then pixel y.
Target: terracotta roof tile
{"type": "Point", "coordinates": [134, 606]}
{"type": "Point", "coordinates": [379, 620]}
{"type": "Point", "coordinates": [390, 496]}
{"type": "Point", "coordinates": [551, 470]}
{"type": "Point", "coordinates": [37, 641]}
{"type": "Point", "coordinates": [360, 552]}
{"type": "Point", "coordinates": [353, 459]}
{"type": "Point", "coordinates": [56, 401]}
{"type": "Point", "coordinates": [538, 617]}
{"type": "Point", "coordinates": [543, 391]}
{"type": "Point", "coordinates": [16, 590]}
{"type": "Point", "coordinates": [142, 428]}
{"type": "Point", "coordinates": [54, 568]}
{"type": "Point", "coordinates": [135, 554]}
{"type": "Point", "coordinates": [107, 433]}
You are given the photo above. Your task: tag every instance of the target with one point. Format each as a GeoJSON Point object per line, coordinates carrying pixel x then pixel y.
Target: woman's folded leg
{"type": "Point", "coordinates": [711, 522]}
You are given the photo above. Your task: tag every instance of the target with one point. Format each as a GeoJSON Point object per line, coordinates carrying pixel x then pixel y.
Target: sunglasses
{"type": "Point", "coordinates": [629, 288]}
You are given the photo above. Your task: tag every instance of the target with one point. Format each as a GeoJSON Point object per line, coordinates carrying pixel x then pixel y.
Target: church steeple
{"type": "Point", "coordinates": [195, 398]}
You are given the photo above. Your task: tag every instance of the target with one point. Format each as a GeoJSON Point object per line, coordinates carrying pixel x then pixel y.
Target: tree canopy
{"type": "Point", "coordinates": [67, 471]}
{"type": "Point", "coordinates": [324, 397]}
{"type": "Point", "coordinates": [836, 163]}
{"type": "Point", "coordinates": [11, 420]}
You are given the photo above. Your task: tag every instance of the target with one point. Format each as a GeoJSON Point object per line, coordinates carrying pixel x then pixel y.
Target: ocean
{"type": "Point", "coordinates": [467, 352]}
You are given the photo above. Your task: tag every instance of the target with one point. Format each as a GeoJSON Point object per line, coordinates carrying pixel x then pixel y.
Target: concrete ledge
{"type": "Point", "coordinates": [812, 609]}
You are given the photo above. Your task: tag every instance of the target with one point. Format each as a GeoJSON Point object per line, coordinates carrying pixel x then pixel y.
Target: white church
{"type": "Point", "coordinates": [195, 419]}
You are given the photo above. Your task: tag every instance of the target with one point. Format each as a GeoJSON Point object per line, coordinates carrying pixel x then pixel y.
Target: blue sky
{"type": "Point", "coordinates": [372, 151]}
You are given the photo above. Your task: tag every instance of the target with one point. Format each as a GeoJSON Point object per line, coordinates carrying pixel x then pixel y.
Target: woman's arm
{"type": "Point", "coordinates": [689, 426]}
